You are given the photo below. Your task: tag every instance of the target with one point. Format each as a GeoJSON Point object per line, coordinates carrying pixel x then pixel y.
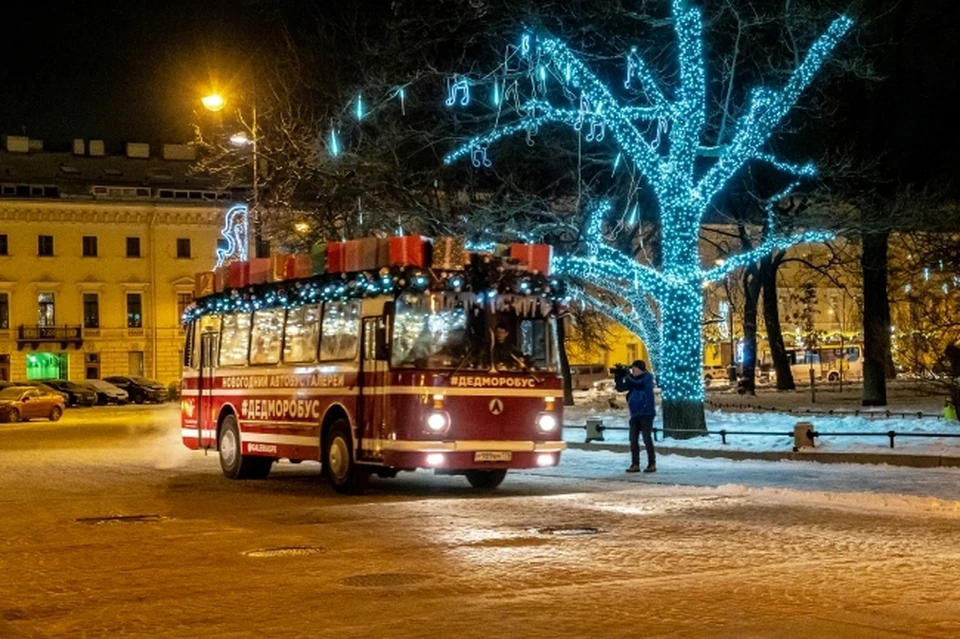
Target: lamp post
{"type": "Point", "coordinates": [215, 103]}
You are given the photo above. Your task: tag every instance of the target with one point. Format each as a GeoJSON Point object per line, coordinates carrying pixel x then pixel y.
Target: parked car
{"type": "Point", "coordinates": [27, 402]}
{"type": "Point", "coordinates": [77, 394]}
{"type": "Point", "coordinates": [106, 392]}
{"type": "Point", "coordinates": [46, 388]}
{"type": "Point", "coordinates": [140, 389]}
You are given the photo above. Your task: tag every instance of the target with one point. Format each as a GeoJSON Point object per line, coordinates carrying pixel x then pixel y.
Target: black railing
{"type": "Point", "coordinates": [37, 334]}
{"type": "Point", "coordinates": [826, 412]}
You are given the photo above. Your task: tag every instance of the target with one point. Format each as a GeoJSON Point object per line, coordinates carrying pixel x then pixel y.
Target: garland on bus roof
{"type": "Point", "coordinates": [486, 277]}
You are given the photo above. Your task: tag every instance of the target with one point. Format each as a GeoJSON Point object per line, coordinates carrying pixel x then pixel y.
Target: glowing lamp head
{"type": "Point", "coordinates": [546, 422]}
{"type": "Point", "coordinates": [437, 421]}
{"type": "Point", "coordinates": [239, 139]}
{"type": "Point", "coordinates": [545, 459]}
{"type": "Point", "coordinates": [213, 102]}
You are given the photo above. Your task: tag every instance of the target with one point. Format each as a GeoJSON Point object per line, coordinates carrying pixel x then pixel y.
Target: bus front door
{"type": "Point", "coordinates": [209, 342]}
{"type": "Point", "coordinates": [373, 368]}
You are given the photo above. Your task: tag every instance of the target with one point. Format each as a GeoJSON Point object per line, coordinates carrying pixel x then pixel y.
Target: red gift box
{"type": "Point", "coordinates": [238, 275]}
{"type": "Point", "coordinates": [362, 255]}
{"type": "Point", "coordinates": [204, 284]}
{"type": "Point", "coordinates": [220, 278]}
{"type": "Point", "coordinates": [336, 257]}
{"type": "Point", "coordinates": [302, 265]}
{"type": "Point", "coordinates": [282, 267]}
{"type": "Point", "coordinates": [412, 250]}
{"type": "Point", "coordinates": [449, 253]}
{"type": "Point", "coordinates": [533, 257]}
{"type": "Point", "coordinates": [259, 270]}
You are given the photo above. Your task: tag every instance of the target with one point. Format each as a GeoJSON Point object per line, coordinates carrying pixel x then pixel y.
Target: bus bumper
{"type": "Point", "coordinates": [471, 455]}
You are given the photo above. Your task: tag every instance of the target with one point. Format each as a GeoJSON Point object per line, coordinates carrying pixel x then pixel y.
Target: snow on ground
{"type": "Point", "coordinates": [867, 432]}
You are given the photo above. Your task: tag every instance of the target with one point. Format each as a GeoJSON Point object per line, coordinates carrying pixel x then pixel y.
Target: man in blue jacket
{"type": "Point", "coordinates": [638, 385]}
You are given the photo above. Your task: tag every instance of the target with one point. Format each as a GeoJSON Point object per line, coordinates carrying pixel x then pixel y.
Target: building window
{"type": "Point", "coordinates": [134, 310]}
{"type": "Point", "coordinates": [4, 248]}
{"type": "Point", "coordinates": [46, 310]}
{"type": "Point", "coordinates": [92, 365]}
{"type": "Point", "coordinates": [4, 311]}
{"type": "Point", "coordinates": [45, 245]}
{"type": "Point", "coordinates": [183, 301]}
{"type": "Point", "coordinates": [89, 245]}
{"type": "Point", "coordinates": [183, 247]}
{"type": "Point", "coordinates": [91, 310]}
{"type": "Point", "coordinates": [133, 247]}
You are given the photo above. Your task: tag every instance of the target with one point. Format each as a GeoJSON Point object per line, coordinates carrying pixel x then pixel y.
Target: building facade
{"type": "Point", "coordinates": [97, 259]}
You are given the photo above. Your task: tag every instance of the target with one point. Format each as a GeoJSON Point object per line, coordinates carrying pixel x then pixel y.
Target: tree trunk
{"type": "Point", "coordinates": [876, 313]}
{"type": "Point", "coordinates": [564, 362]}
{"type": "Point", "coordinates": [681, 372]}
{"type": "Point", "coordinates": [771, 318]}
{"type": "Point", "coordinates": [751, 297]}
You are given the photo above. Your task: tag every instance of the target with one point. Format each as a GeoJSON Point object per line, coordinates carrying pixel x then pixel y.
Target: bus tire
{"type": "Point", "coordinates": [833, 377]}
{"type": "Point", "coordinates": [486, 479]}
{"type": "Point", "coordinates": [338, 464]}
{"type": "Point", "coordinates": [233, 463]}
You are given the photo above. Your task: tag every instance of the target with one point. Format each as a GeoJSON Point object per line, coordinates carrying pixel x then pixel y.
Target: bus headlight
{"type": "Point", "coordinates": [438, 421]}
{"type": "Point", "coordinates": [546, 422]}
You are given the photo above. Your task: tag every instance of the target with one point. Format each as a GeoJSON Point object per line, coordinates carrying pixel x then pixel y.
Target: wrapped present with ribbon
{"type": "Point", "coordinates": [220, 278]}
{"type": "Point", "coordinates": [318, 255]}
{"type": "Point", "coordinates": [238, 275]}
{"type": "Point", "coordinates": [362, 255]}
{"type": "Point", "coordinates": [411, 250]}
{"type": "Point", "coordinates": [336, 257]}
{"type": "Point", "coordinates": [204, 284]}
{"type": "Point", "coordinates": [303, 265]}
{"type": "Point", "coordinates": [259, 270]}
{"type": "Point", "coordinates": [282, 268]}
{"type": "Point", "coordinates": [533, 257]}
{"type": "Point", "coordinates": [449, 253]}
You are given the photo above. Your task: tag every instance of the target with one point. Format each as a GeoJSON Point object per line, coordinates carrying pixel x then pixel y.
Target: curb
{"type": "Point", "coordinates": [913, 461]}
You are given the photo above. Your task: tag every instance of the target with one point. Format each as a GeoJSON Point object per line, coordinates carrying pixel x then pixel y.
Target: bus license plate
{"type": "Point", "coordinates": [492, 456]}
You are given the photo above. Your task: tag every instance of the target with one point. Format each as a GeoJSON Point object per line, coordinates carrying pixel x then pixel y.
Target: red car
{"type": "Point", "coordinates": [26, 402]}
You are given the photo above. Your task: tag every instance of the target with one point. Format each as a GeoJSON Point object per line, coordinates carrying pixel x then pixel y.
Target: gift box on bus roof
{"type": "Point", "coordinates": [367, 254]}
{"type": "Point", "coordinates": [303, 265]}
{"type": "Point", "coordinates": [204, 284]}
{"type": "Point", "coordinates": [259, 270]}
{"type": "Point", "coordinates": [282, 267]}
{"type": "Point", "coordinates": [410, 250]}
{"type": "Point", "coordinates": [449, 253]}
{"type": "Point", "coordinates": [533, 257]}
{"type": "Point", "coordinates": [318, 257]}
{"type": "Point", "coordinates": [237, 275]}
{"type": "Point", "coordinates": [336, 257]}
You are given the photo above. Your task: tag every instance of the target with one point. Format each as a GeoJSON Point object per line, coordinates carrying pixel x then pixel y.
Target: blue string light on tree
{"type": "Point", "coordinates": [675, 174]}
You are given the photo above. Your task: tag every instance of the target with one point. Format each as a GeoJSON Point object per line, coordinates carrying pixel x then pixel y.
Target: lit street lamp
{"type": "Point", "coordinates": [215, 103]}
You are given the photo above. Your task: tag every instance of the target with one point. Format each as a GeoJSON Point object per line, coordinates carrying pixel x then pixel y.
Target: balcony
{"type": "Point", "coordinates": [34, 335]}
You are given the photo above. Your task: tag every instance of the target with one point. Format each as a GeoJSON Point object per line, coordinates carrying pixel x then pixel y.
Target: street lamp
{"type": "Point", "coordinates": [215, 103]}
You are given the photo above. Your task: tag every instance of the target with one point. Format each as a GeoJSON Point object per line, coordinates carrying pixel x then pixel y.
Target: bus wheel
{"type": "Point", "coordinates": [486, 479]}
{"type": "Point", "coordinates": [338, 465]}
{"type": "Point", "coordinates": [833, 377]}
{"type": "Point", "coordinates": [233, 463]}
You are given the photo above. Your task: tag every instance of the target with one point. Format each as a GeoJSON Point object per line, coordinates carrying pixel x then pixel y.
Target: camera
{"type": "Point", "coordinates": [619, 370]}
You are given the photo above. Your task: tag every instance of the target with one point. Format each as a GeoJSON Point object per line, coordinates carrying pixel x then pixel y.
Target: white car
{"type": "Point", "coordinates": [107, 393]}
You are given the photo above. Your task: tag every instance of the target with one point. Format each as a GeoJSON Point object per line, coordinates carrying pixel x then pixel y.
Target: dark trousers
{"type": "Point", "coordinates": [644, 425]}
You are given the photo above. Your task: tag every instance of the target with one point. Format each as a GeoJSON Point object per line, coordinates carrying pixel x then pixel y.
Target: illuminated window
{"type": "Point", "coordinates": [91, 310]}
{"type": "Point", "coordinates": [302, 334]}
{"type": "Point", "coordinates": [234, 339]}
{"type": "Point", "coordinates": [134, 310]}
{"type": "Point", "coordinates": [266, 337]}
{"type": "Point", "coordinates": [340, 333]}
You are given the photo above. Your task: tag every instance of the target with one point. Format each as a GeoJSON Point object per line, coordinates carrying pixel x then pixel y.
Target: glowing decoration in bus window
{"type": "Point", "coordinates": [234, 231]}
{"type": "Point", "coordinates": [458, 90]}
{"type": "Point", "coordinates": [266, 336]}
{"type": "Point", "coordinates": [740, 351]}
{"type": "Point", "coordinates": [302, 334]}
{"type": "Point", "coordinates": [340, 331]}
{"type": "Point", "coordinates": [234, 339]}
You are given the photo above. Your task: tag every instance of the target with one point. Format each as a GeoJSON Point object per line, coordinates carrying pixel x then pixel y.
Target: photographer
{"type": "Point", "coordinates": [637, 383]}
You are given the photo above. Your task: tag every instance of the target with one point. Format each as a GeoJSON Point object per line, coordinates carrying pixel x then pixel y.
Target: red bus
{"type": "Point", "coordinates": [375, 374]}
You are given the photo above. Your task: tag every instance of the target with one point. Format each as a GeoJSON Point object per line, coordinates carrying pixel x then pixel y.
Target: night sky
{"type": "Point", "coordinates": [119, 70]}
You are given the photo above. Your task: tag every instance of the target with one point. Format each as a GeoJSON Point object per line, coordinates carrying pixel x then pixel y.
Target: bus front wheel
{"type": "Point", "coordinates": [486, 479]}
{"type": "Point", "coordinates": [338, 463]}
{"type": "Point", "coordinates": [233, 463]}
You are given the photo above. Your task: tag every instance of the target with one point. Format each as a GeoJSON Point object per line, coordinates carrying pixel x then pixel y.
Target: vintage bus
{"type": "Point", "coordinates": [375, 374]}
{"type": "Point", "coordinates": [828, 362]}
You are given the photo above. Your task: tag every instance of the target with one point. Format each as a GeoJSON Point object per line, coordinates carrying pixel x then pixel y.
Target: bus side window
{"type": "Point", "coordinates": [302, 334]}
{"type": "Point", "coordinates": [266, 336]}
{"type": "Point", "coordinates": [234, 339]}
{"type": "Point", "coordinates": [853, 354]}
{"type": "Point", "coordinates": [340, 331]}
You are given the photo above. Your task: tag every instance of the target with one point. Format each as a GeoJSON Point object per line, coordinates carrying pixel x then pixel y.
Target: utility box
{"type": "Point", "coordinates": [594, 430]}
{"type": "Point", "coordinates": [138, 150]}
{"type": "Point", "coordinates": [96, 148]}
{"type": "Point", "coordinates": [802, 435]}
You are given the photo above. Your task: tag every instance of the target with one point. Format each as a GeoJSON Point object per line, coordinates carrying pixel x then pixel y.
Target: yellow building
{"type": "Point", "coordinates": [97, 258]}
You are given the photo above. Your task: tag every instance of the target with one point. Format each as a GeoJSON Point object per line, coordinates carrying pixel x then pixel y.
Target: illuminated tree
{"type": "Point", "coordinates": [662, 138]}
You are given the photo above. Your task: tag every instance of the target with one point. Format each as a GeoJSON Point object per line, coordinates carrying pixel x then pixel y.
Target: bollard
{"type": "Point", "coordinates": [801, 437]}
{"type": "Point", "coordinates": [594, 429]}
